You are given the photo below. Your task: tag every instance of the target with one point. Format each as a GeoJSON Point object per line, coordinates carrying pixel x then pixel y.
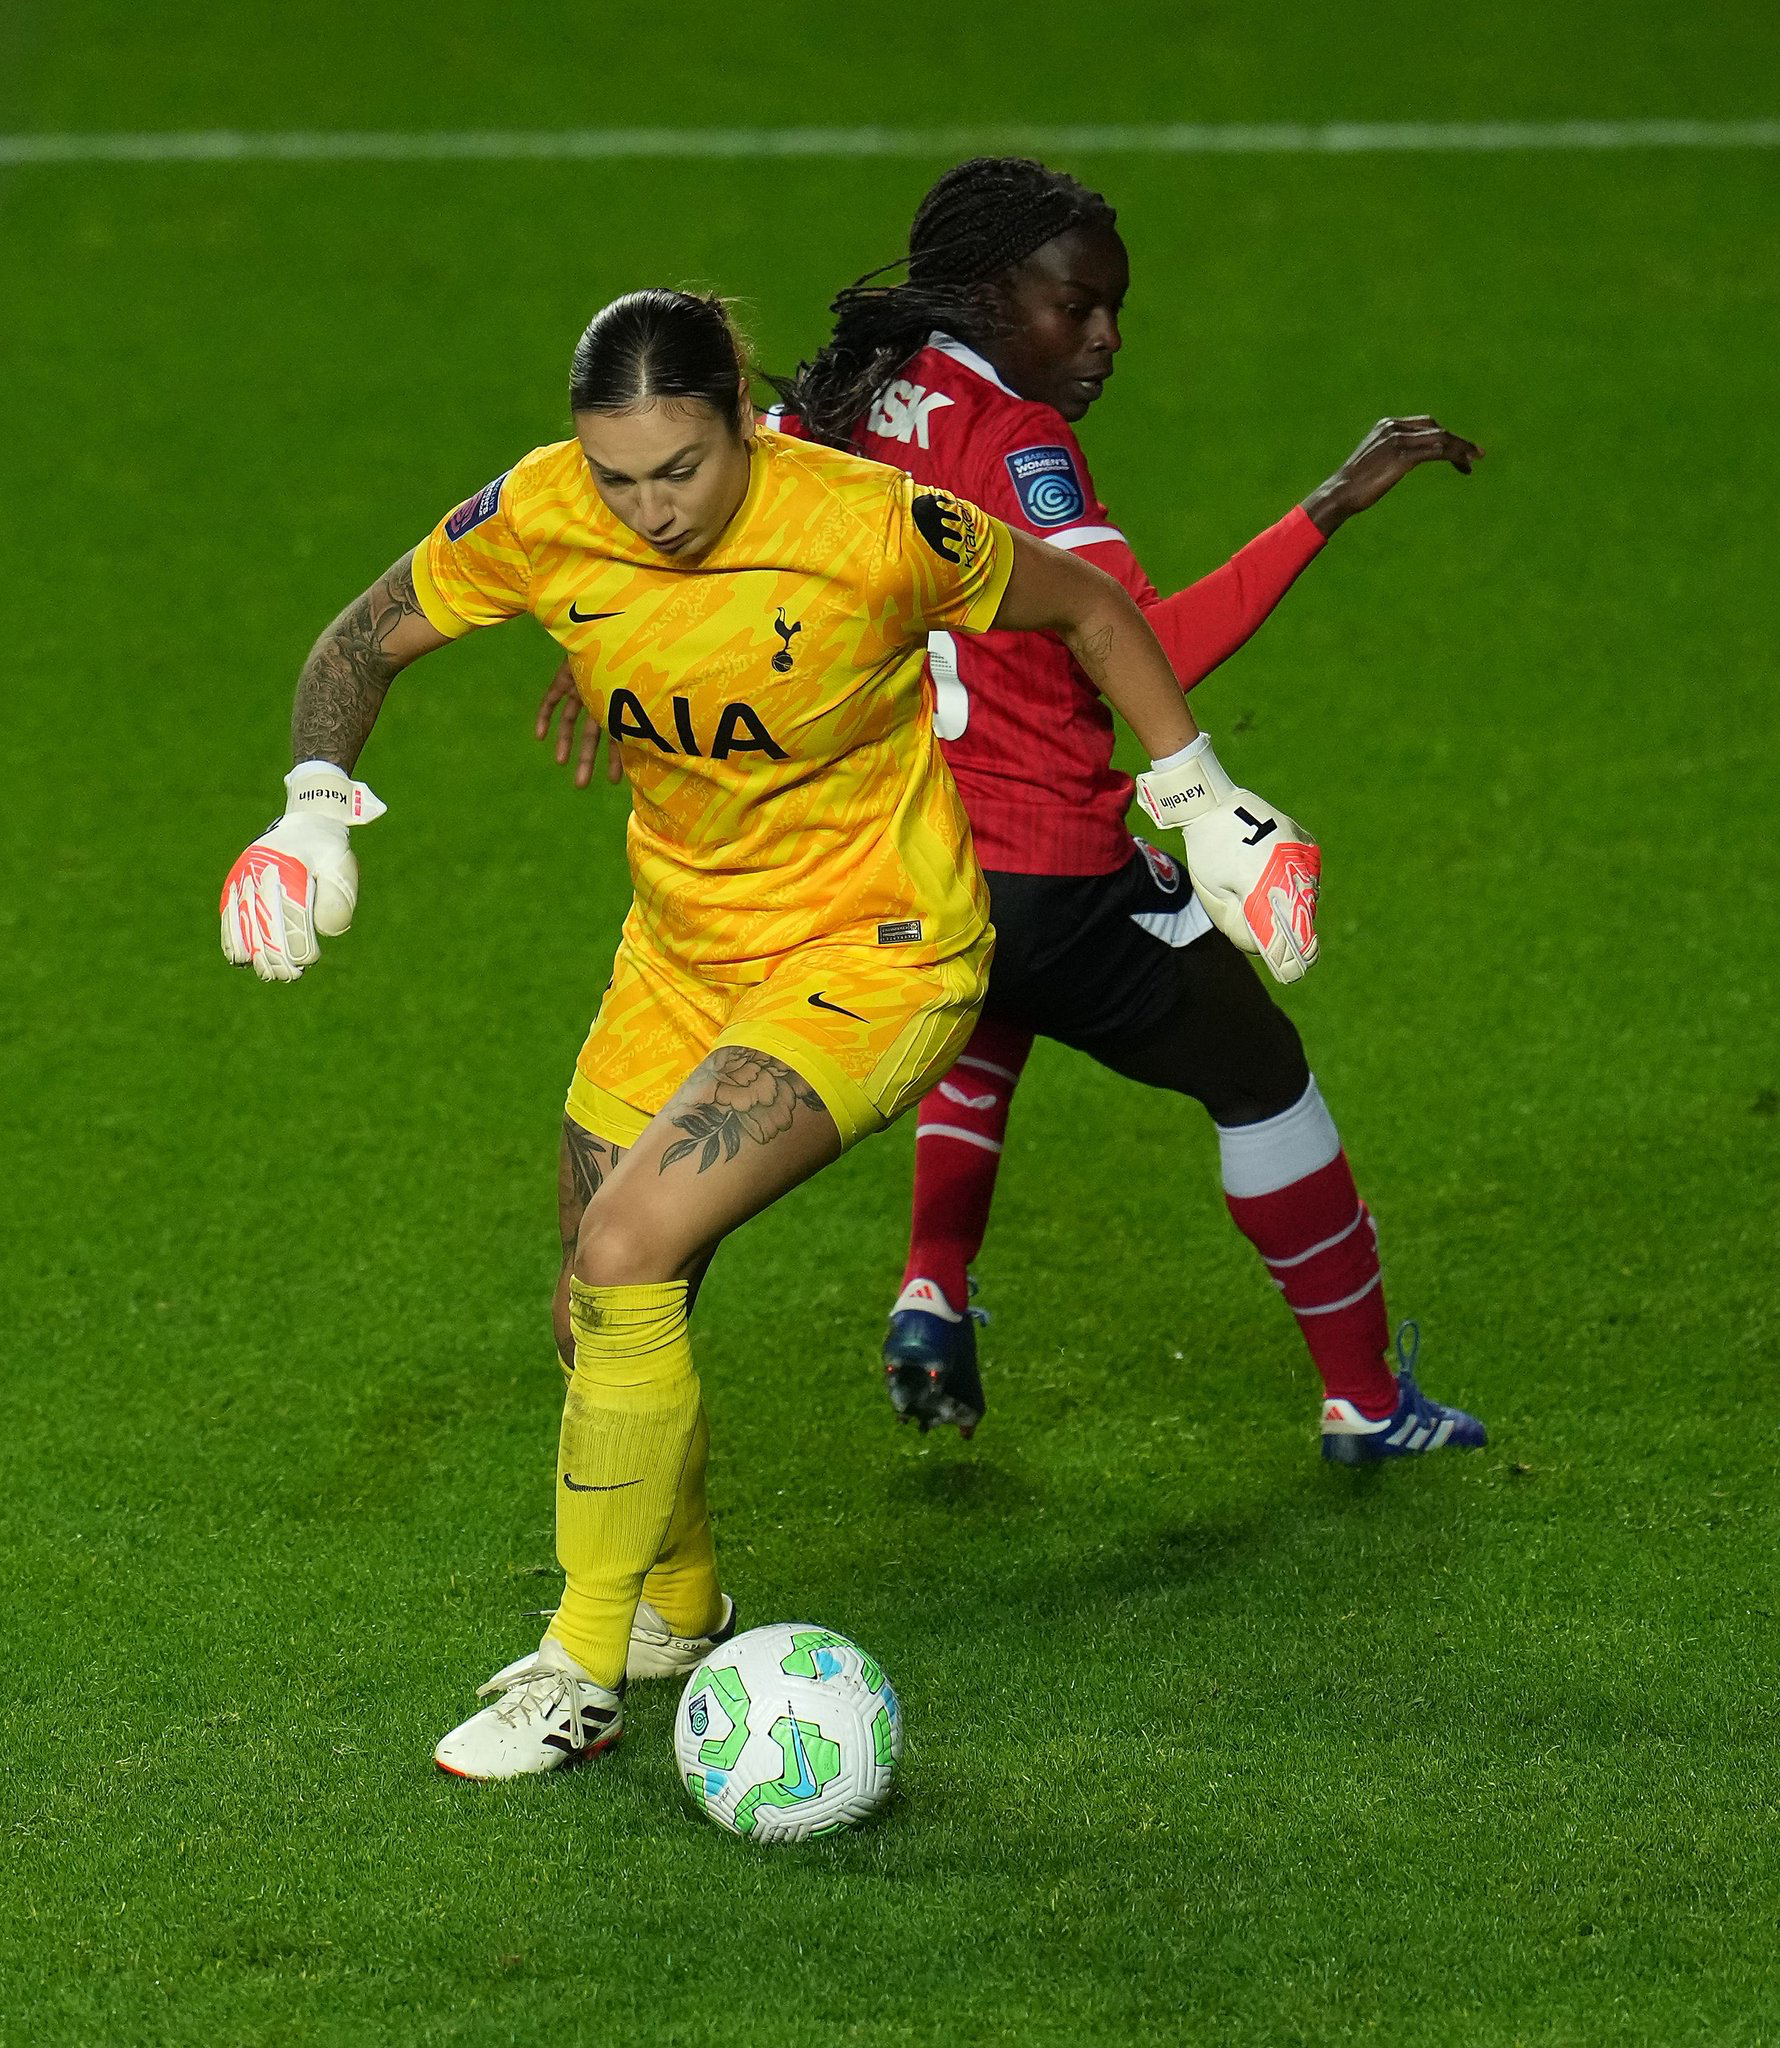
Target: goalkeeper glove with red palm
{"type": "Point", "coordinates": [1256, 870]}
{"type": "Point", "coordinates": [299, 878]}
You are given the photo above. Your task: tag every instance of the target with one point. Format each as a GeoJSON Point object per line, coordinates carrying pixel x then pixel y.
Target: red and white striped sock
{"type": "Point", "coordinates": [959, 1131]}
{"type": "Point", "coordinates": [1289, 1187]}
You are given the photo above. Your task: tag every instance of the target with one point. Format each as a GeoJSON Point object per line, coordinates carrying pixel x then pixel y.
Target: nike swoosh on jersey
{"type": "Point", "coordinates": [575, 1486]}
{"type": "Point", "coordinates": [587, 618]}
{"type": "Point", "coordinates": [822, 1003]}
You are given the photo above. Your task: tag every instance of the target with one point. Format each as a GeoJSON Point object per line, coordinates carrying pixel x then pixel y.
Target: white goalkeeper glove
{"type": "Point", "coordinates": [299, 878]}
{"type": "Point", "coordinates": [1256, 871]}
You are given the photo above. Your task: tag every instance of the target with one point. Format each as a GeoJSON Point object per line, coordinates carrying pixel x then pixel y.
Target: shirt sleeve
{"type": "Point", "coordinates": [1038, 481]}
{"type": "Point", "coordinates": [1203, 625]}
{"type": "Point", "coordinates": [1048, 491]}
{"type": "Point", "coordinates": [472, 569]}
{"type": "Point", "coordinates": [945, 558]}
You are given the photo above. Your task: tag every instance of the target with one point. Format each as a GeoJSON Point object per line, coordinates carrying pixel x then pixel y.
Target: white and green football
{"type": "Point", "coordinates": [788, 1732]}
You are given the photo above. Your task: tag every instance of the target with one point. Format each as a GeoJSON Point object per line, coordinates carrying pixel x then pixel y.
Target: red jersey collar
{"type": "Point", "coordinates": [943, 344]}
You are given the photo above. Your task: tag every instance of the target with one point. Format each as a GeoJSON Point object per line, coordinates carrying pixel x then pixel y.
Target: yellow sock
{"type": "Point", "coordinates": [628, 1427]}
{"type": "Point", "coordinates": [682, 1587]}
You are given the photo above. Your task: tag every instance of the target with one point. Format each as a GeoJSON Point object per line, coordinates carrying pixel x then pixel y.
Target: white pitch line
{"type": "Point", "coordinates": [226, 145]}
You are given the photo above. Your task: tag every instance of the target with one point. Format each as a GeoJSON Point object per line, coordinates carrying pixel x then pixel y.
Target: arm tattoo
{"type": "Point", "coordinates": [1091, 649]}
{"type": "Point", "coordinates": [586, 1161]}
{"type": "Point", "coordinates": [747, 1095]}
{"type": "Point", "coordinates": [344, 680]}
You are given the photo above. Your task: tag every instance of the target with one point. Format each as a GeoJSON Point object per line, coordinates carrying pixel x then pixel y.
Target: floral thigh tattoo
{"type": "Point", "coordinates": [584, 1164]}
{"type": "Point", "coordinates": [751, 1095]}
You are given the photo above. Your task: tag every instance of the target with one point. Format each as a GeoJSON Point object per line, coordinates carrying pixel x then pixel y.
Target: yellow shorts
{"type": "Point", "coordinates": [869, 1035]}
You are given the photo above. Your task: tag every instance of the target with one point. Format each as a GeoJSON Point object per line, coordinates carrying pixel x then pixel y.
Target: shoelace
{"type": "Point", "coordinates": [1430, 1415]}
{"type": "Point", "coordinates": [1409, 1346]}
{"type": "Point", "coordinates": [540, 1688]}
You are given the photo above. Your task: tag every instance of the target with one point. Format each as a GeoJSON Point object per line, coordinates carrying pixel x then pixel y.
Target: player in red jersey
{"type": "Point", "coordinates": [970, 375]}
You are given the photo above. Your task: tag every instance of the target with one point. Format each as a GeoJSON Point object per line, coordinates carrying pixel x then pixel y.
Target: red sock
{"type": "Point", "coordinates": [958, 1137]}
{"type": "Point", "coordinates": [1321, 1249]}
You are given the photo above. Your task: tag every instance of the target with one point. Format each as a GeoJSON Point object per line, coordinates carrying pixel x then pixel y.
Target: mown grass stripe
{"type": "Point", "coordinates": [1342, 138]}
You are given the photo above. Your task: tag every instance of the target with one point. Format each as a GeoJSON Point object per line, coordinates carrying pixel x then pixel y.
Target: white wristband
{"type": "Point", "coordinates": [1184, 786]}
{"type": "Point", "coordinates": [323, 790]}
{"type": "Point", "coordinates": [1190, 752]}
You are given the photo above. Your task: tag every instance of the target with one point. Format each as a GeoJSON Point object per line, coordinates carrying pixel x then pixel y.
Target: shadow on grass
{"type": "Point", "coordinates": [986, 1546]}
{"type": "Point", "coordinates": [964, 1487]}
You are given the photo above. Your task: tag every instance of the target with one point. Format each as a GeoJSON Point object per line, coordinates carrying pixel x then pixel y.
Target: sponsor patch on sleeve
{"type": "Point", "coordinates": [947, 525]}
{"type": "Point", "coordinates": [1047, 484]}
{"type": "Point", "coordinates": [473, 511]}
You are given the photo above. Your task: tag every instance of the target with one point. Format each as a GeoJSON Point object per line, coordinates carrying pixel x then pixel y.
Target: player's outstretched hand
{"type": "Point", "coordinates": [1256, 870]}
{"type": "Point", "coordinates": [562, 691]}
{"type": "Point", "coordinates": [298, 879]}
{"type": "Point", "coordinates": [1383, 460]}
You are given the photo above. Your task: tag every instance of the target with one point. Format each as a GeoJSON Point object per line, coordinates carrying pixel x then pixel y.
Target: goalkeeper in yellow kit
{"type": "Point", "coordinates": [809, 943]}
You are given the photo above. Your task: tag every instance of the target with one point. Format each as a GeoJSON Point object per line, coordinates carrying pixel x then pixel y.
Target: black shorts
{"type": "Point", "coordinates": [1128, 968]}
{"type": "Point", "coordinates": [1090, 959]}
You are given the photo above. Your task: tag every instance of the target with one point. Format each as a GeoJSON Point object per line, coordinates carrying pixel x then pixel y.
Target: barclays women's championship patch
{"type": "Point", "coordinates": [1049, 489]}
{"type": "Point", "coordinates": [474, 510]}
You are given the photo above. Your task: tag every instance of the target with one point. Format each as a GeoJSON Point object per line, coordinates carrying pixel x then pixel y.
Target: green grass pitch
{"type": "Point", "coordinates": [1208, 1742]}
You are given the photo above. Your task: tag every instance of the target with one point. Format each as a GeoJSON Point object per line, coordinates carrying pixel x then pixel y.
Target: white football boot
{"type": "Point", "coordinates": [656, 1652]}
{"type": "Point", "coordinates": [550, 1713]}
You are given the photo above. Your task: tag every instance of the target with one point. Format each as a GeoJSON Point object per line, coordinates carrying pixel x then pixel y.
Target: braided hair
{"type": "Point", "coordinates": [978, 221]}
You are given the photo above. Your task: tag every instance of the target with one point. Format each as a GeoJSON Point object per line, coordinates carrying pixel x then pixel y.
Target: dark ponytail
{"type": "Point", "coordinates": [658, 344]}
{"type": "Point", "coordinates": [979, 220]}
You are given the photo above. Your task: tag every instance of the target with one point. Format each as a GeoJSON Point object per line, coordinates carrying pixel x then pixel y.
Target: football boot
{"type": "Point", "coordinates": [930, 1360]}
{"type": "Point", "coordinates": [1416, 1425]}
{"type": "Point", "coordinates": [656, 1652]}
{"type": "Point", "coordinates": [549, 1713]}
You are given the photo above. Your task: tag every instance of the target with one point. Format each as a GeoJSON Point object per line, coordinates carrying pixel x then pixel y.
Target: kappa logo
{"type": "Point", "coordinates": [903, 411]}
{"type": "Point", "coordinates": [783, 659]}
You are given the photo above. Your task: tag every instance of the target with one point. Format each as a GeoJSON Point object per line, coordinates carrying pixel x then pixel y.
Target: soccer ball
{"type": "Point", "coordinates": [788, 1732]}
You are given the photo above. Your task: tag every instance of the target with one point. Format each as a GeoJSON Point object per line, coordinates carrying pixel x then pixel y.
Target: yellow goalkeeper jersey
{"type": "Point", "coordinates": [772, 697]}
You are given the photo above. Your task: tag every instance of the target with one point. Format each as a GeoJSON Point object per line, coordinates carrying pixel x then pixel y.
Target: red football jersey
{"type": "Point", "coordinates": [1028, 737]}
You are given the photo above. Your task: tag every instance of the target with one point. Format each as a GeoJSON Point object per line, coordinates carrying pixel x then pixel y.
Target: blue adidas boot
{"type": "Point", "coordinates": [1417, 1424]}
{"type": "Point", "coordinates": [930, 1360]}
